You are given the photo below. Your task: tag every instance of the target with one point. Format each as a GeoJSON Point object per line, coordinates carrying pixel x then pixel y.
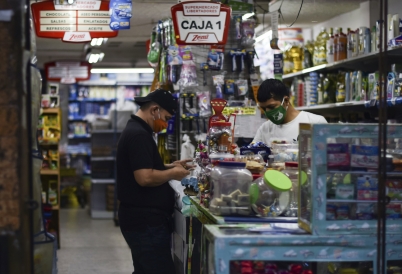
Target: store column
{"type": "Point", "coordinates": [15, 240]}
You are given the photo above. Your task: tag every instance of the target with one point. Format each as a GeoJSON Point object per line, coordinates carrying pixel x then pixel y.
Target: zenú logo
{"type": "Point", "coordinates": [200, 37]}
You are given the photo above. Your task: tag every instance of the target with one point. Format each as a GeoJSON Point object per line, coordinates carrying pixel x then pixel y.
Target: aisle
{"type": "Point", "coordinates": [91, 246]}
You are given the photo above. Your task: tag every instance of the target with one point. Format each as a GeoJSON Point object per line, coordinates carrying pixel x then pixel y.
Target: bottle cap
{"type": "Point", "coordinates": [277, 180]}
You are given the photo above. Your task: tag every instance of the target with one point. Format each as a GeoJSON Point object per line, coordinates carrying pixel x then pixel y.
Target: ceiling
{"type": "Point", "coordinates": [128, 48]}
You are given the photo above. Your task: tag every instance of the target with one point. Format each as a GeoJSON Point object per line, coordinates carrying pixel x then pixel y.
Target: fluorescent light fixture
{"type": "Point", "coordinates": [97, 42]}
{"type": "Point", "coordinates": [247, 15]}
{"type": "Point", "coordinates": [95, 57]}
{"type": "Point", "coordinates": [122, 70]}
{"type": "Point", "coordinates": [263, 36]}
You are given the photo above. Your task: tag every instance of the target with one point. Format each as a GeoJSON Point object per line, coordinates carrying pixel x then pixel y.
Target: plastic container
{"type": "Point", "coordinates": [230, 182]}
{"type": "Point", "coordinates": [270, 194]}
{"type": "Point", "coordinates": [292, 172]}
{"type": "Point", "coordinates": [220, 137]}
{"type": "Point", "coordinates": [254, 163]}
{"type": "Point", "coordinates": [221, 156]}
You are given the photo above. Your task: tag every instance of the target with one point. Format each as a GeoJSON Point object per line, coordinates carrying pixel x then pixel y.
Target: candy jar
{"type": "Point", "coordinates": [230, 182]}
{"type": "Point", "coordinates": [269, 195]}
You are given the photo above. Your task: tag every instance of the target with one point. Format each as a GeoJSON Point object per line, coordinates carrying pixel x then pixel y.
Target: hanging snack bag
{"type": "Point", "coordinates": [120, 14]}
{"type": "Point", "coordinates": [242, 87]}
{"type": "Point", "coordinates": [204, 103]}
{"type": "Point", "coordinates": [248, 28]}
{"type": "Point", "coordinates": [216, 57]}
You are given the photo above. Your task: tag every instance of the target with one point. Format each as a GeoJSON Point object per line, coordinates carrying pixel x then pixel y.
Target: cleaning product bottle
{"type": "Point", "coordinates": [373, 39]}
{"type": "Point", "coordinates": [336, 39]}
{"type": "Point", "coordinates": [342, 41]}
{"type": "Point", "coordinates": [350, 44]}
{"type": "Point", "coordinates": [330, 47]}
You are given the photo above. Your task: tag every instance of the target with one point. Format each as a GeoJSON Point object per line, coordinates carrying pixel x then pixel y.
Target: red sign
{"type": "Point", "coordinates": [67, 71]}
{"type": "Point", "coordinates": [201, 23]}
{"type": "Point", "coordinates": [71, 25]}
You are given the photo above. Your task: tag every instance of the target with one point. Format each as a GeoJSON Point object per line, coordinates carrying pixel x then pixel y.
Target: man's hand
{"type": "Point", "coordinates": [179, 172]}
{"type": "Point", "coordinates": [184, 163]}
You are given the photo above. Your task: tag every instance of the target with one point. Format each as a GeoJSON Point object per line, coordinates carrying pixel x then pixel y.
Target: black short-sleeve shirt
{"type": "Point", "coordinates": [136, 150]}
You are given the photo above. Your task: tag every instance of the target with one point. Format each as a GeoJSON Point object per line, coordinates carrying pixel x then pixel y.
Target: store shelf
{"type": "Point", "coordinates": [72, 136]}
{"type": "Point", "coordinates": [49, 172]}
{"type": "Point", "coordinates": [391, 173]}
{"type": "Point", "coordinates": [103, 131]}
{"type": "Point", "coordinates": [101, 214]}
{"type": "Point", "coordinates": [76, 119]}
{"type": "Point", "coordinates": [102, 158]}
{"type": "Point", "coordinates": [349, 63]}
{"type": "Point", "coordinates": [336, 105]}
{"type": "Point", "coordinates": [103, 181]}
{"type": "Point", "coordinates": [48, 143]}
{"type": "Point", "coordinates": [94, 100]}
{"type": "Point", "coordinates": [50, 110]}
{"type": "Point", "coordinates": [358, 201]}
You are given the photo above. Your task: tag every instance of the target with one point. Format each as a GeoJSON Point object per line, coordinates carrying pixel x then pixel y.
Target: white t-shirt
{"type": "Point", "coordinates": [289, 132]}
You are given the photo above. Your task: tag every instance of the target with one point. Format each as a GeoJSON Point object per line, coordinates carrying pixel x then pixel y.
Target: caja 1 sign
{"type": "Point", "coordinates": [201, 22]}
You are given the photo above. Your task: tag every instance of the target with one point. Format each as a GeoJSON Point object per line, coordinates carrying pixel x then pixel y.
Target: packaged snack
{"type": "Point", "coordinates": [367, 188]}
{"type": "Point", "coordinates": [175, 62]}
{"type": "Point", "coordinates": [204, 103]}
{"type": "Point", "coordinates": [248, 29]}
{"type": "Point", "coordinates": [394, 211]}
{"type": "Point", "coordinates": [216, 57]}
{"type": "Point", "coordinates": [242, 87]}
{"type": "Point", "coordinates": [345, 191]}
{"type": "Point", "coordinates": [365, 211]}
{"type": "Point", "coordinates": [230, 86]}
{"type": "Point", "coordinates": [364, 156]}
{"type": "Point", "coordinates": [121, 13]}
{"type": "Point", "coordinates": [331, 212]}
{"type": "Point", "coordinates": [394, 189]}
{"type": "Point", "coordinates": [342, 212]}
{"type": "Point", "coordinates": [338, 156]}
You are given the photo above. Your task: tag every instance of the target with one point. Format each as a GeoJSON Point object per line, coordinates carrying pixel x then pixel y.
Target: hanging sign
{"type": "Point", "coordinates": [201, 22]}
{"type": "Point", "coordinates": [78, 5]}
{"type": "Point", "coordinates": [67, 72]}
{"type": "Point", "coordinates": [72, 25]}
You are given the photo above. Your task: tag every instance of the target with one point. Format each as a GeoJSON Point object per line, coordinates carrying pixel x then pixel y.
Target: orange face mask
{"type": "Point", "coordinates": [159, 124]}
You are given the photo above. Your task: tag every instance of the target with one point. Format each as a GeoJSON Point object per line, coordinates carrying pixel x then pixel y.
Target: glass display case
{"type": "Point", "coordinates": [338, 182]}
{"type": "Point", "coordinates": [277, 248]}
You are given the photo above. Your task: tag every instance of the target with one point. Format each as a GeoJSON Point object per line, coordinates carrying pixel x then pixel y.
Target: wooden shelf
{"type": "Point", "coordinates": [50, 110]}
{"type": "Point", "coordinates": [49, 172]}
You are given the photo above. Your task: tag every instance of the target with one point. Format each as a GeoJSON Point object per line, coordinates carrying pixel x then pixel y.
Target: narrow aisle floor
{"type": "Point", "coordinates": [91, 246]}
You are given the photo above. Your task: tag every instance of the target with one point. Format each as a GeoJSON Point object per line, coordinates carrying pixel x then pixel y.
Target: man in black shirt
{"type": "Point", "coordinates": [146, 198]}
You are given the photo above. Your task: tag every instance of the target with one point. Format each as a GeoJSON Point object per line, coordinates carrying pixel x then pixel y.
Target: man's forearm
{"type": "Point", "coordinates": [152, 177]}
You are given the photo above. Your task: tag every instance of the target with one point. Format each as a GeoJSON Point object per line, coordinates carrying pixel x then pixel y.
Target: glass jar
{"type": "Point", "coordinates": [220, 137]}
{"type": "Point", "coordinates": [270, 194]}
{"type": "Point", "coordinates": [292, 171]}
{"type": "Point", "coordinates": [230, 182]}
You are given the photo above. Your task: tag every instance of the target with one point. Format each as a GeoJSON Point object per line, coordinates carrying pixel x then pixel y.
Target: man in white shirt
{"type": "Point", "coordinates": [283, 124]}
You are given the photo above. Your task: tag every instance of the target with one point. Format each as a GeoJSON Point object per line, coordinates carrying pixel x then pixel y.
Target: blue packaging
{"type": "Point", "coordinates": [120, 14]}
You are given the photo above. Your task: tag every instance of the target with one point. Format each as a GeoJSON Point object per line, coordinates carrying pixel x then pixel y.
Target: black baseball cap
{"type": "Point", "coordinates": [160, 96]}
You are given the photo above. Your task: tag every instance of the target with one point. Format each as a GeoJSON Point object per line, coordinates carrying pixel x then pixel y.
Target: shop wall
{"type": "Point", "coordinates": [395, 6]}
{"type": "Point", "coordinates": [354, 19]}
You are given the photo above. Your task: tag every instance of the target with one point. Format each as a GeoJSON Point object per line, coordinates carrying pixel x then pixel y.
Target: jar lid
{"type": "Point", "coordinates": [303, 176]}
{"type": "Point", "coordinates": [231, 164]}
{"type": "Point", "coordinates": [221, 124]}
{"type": "Point", "coordinates": [277, 180]}
{"type": "Point", "coordinates": [291, 164]}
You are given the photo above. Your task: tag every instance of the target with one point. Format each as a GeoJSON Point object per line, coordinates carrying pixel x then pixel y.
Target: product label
{"type": "Point", "coordinates": [345, 192]}
{"type": "Point", "coordinates": [121, 13]}
{"type": "Point", "coordinates": [364, 156]}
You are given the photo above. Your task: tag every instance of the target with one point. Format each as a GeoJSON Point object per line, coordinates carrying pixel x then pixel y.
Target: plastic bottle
{"type": "Point", "coordinates": [296, 56]}
{"type": "Point", "coordinates": [330, 47]}
{"type": "Point", "coordinates": [336, 39]}
{"type": "Point", "coordinates": [342, 41]}
{"type": "Point", "coordinates": [373, 39]}
{"type": "Point", "coordinates": [350, 46]}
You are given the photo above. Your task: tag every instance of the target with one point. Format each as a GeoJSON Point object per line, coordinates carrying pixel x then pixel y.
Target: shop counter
{"type": "Point", "coordinates": [188, 233]}
{"type": "Point", "coordinates": [227, 247]}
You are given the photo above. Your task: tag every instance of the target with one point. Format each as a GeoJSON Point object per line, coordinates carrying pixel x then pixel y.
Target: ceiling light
{"type": "Point", "coordinates": [122, 70]}
{"type": "Point", "coordinates": [94, 56]}
{"type": "Point", "coordinates": [247, 16]}
{"type": "Point", "coordinates": [97, 42]}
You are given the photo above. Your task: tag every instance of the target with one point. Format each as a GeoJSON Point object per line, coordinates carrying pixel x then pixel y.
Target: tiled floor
{"type": "Point", "coordinates": [91, 246]}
